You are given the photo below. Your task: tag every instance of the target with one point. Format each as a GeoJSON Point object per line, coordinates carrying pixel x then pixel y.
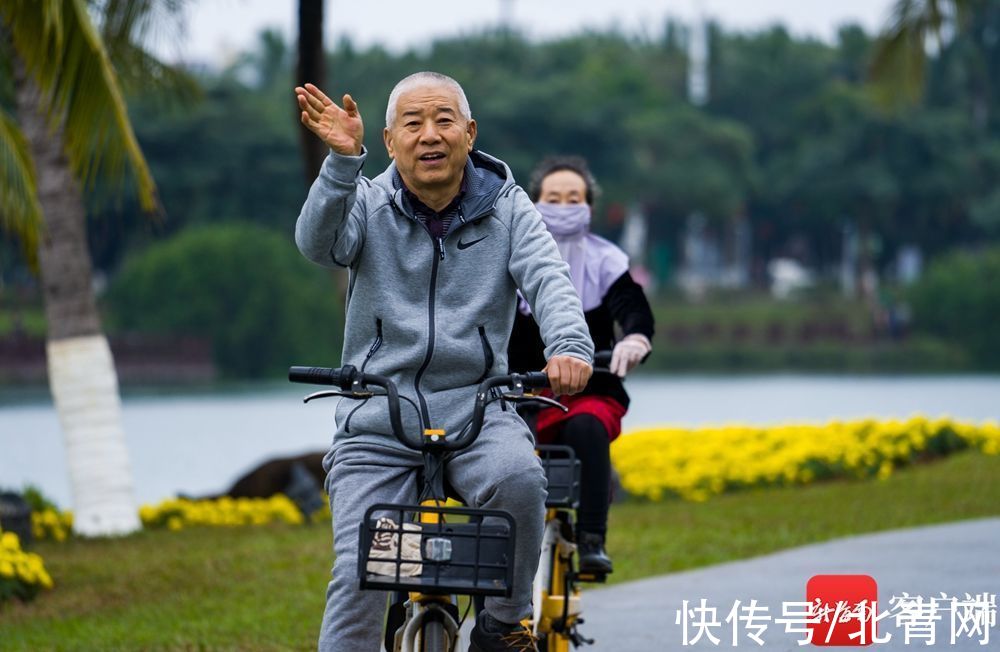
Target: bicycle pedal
{"type": "Point", "coordinates": [593, 578]}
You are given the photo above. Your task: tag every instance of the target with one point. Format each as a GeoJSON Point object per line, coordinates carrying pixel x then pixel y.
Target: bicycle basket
{"type": "Point", "coordinates": [464, 556]}
{"type": "Point", "coordinates": [562, 470]}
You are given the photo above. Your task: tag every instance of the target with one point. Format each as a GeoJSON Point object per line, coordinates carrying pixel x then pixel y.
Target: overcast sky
{"type": "Point", "coordinates": [216, 29]}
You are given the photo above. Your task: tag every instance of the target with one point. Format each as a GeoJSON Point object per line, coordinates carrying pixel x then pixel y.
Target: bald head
{"type": "Point", "coordinates": [426, 78]}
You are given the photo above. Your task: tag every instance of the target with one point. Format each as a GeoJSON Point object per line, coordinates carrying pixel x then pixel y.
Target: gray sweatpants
{"type": "Point", "coordinates": [499, 471]}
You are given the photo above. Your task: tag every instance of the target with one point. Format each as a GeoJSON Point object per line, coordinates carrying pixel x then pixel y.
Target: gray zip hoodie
{"type": "Point", "coordinates": [435, 316]}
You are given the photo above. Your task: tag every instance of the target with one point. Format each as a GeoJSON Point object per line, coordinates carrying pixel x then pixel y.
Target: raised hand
{"type": "Point", "coordinates": [340, 128]}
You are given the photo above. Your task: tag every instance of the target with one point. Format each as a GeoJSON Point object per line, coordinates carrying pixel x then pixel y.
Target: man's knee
{"type": "Point", "coordinates": [525, 487]}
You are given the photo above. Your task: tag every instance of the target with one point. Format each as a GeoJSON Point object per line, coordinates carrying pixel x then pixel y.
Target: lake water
{"type": "Point", "coordinates": [200, 443]}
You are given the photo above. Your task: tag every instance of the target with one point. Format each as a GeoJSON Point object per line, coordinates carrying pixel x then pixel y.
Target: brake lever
{"type": "Point", "coordinates": [329, 393]}
{"type": "Point", "coordinates": [533, 398]}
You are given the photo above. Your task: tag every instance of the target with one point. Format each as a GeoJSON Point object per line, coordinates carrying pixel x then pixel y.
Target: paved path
{"type": "Point", "coordinates": [955, 558]}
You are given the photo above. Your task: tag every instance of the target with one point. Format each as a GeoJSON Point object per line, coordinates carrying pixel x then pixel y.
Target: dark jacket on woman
{"type": "Point", "coordinates": [624, 303]}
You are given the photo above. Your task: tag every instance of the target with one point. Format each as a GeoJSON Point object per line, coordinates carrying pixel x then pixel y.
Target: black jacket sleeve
{"type": "Point", "coordinates": [628, 306]}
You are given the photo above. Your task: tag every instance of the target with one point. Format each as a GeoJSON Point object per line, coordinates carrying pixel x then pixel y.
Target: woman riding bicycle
{"type": "Point", "coordinates": [564, 192]}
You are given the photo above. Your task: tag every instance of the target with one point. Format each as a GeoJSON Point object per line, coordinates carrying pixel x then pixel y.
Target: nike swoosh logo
{"type": "Point", "coordinates": [466, 245]}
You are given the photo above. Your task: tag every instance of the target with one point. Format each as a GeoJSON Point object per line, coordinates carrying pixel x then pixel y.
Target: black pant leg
{"type": "Point", "coordinates": [586, 435]}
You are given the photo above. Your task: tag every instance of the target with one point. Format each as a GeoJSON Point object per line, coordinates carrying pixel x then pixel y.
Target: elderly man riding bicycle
{"type": "Point", "coordinates": [436, 246]}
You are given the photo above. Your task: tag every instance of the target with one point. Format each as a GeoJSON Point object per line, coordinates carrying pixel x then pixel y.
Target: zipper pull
{"type": "Point", "coordinates": [440, 243]}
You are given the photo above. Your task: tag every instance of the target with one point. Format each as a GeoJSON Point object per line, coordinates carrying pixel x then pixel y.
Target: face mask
{"type": "Point", "coordinates": [565, 219]}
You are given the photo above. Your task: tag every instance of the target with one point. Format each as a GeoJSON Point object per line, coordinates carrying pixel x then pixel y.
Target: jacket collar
{"type": "Point", "coordinates": [485, 178]}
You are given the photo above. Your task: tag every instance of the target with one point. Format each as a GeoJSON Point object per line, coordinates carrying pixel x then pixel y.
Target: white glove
{"type": "Point", "coordinates": [628, 353]}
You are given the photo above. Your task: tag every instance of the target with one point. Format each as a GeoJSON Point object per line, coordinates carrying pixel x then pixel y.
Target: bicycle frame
{"type": "Point", "coordinates": [429, 622]}
{"type": "Point", "coordinates": [556, 595]}
{"type": "Point", "coordinates": [409, 638]}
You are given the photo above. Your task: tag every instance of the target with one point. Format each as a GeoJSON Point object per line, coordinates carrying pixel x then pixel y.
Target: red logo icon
{"type": "Point", "coordinates": [843, 609]}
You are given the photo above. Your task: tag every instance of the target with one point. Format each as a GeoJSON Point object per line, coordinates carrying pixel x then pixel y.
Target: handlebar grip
{"type": "Point", "coordinates": [314, 375]}
{"type": "Point", "coordinates": [535, 379]}
{"type": "Point", "coordinates": [602, 359]}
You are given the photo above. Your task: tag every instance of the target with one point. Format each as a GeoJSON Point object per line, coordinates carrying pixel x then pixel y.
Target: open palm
{"type": "Point", "coordinates": [340, 128]}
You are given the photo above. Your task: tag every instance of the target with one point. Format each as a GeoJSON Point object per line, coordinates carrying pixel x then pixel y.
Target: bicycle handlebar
{"type": "Point", "coordinates": [315, 376]}
{"type": "Point", "coordinates": [348, 377]}
{"type": "Point", "coordinates": [602, 360]}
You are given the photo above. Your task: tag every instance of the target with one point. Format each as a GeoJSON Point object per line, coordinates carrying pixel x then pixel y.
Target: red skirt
{"type": "Point", "coordinates": [606, 409]}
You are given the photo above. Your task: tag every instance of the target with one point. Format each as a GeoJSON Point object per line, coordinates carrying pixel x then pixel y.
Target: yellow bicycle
{"type": "Point", "coordinates": [428, 554]}
{"type": "Point", "coordinates": [557, 600]}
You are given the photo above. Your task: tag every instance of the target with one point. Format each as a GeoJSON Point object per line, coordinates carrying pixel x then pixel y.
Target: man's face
{"type": "Point", "coordinates": [429, 139]}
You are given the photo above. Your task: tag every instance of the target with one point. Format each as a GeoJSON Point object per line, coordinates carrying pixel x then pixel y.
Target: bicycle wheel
{"type": "Point", "coordinates": [395, 619]}
{"type": "Point", "coordinates": [433, 637]}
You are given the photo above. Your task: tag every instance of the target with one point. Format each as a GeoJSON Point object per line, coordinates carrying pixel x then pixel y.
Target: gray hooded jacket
{"type": "Point", "coordinates": [435, 316]}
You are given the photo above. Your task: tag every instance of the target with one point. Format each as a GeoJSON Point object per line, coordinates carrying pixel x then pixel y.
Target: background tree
{"type": "Point", "coordinates": [310, 68]}
{"type": "Point", "coordinates": [263, 309]}
{"type": "Point", "coordinates": [72, 128]}
{"type": "Point", "coordinates": [789, 144]}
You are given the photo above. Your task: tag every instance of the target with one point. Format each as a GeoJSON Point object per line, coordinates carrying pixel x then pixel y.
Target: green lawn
{"type": "Point", "coordinates": [263, 588]}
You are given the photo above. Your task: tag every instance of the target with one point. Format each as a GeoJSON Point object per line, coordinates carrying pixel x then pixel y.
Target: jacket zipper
{"type": "Point", "coordinates": [424, 411]}
{"type": "Point", "coordinates": [439, 245]}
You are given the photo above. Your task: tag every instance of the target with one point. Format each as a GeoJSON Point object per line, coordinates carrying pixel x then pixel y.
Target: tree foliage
{"type": "Point", "coordinates": [64, 53]}
{"type": "Point", "coordinates": [959, 300]}
{"type": "Point", "coordinates": [790, 137]}
{"type": "Point", "coordinates": [244, 287]}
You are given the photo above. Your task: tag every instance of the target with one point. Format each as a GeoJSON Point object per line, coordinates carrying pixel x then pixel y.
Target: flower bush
{"type": "Point", "coordinates": [696, 464]}
{"type": "Point", "coordinates": [178, 513]}
{"type": "Point", "coordinates": [50, 523]}
{"type": "Point", "coordinates": [22, 574]}
{"type": "Point", "coordinates": [47, 522]}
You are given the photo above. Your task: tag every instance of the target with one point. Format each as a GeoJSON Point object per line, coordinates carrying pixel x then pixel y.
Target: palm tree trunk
{"type": "Point", "coordinates": [310, 68]}
{"type": "Point", "coordinates": [82, 374]}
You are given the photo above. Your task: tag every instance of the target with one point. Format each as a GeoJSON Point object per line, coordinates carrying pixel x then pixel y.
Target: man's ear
{"type": "Point", "coordinates": [470, 132]}
{"type": "Point", "coordinates": [387, 139]}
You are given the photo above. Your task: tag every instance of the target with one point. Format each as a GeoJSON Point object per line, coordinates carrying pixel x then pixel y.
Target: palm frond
{"type": "Point", "coordinates": [126, 26]}
{"type": "Point", "coordinates": [20, 212]}
{"type": "Point", "coordinates": [140, 20]}
{"type": "Point", "coordinates": [898, 68]}
{"type": "Point", "coordinates": [63, 52]}
{"type": "Point", "coordinates": [141, 72]}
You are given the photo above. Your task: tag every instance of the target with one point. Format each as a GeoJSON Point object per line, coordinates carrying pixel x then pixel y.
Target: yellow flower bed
{"type": "Point", "coordinates": [696, 464]}
{"type": "Point", "coordinates": [178, 513]}
{"type": "Point", "coordinates": [52, 524]}
{"type": "Point", "coordinates": [22, 574]}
